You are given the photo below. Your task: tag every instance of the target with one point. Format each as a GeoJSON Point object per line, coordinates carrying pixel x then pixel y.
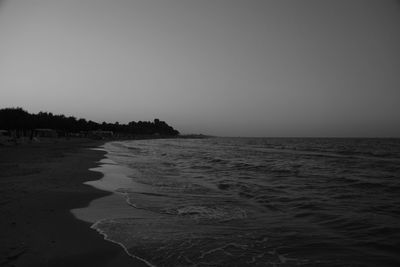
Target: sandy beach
{"type": "Point", "coordinates": [40, 183]}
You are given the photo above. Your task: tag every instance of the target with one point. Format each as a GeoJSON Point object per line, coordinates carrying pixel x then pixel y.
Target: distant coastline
{"type": "Point", "coordinates": [18, 125]}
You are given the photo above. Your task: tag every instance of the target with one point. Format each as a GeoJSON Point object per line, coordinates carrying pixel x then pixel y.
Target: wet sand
{"type": "Point", "coordinates": [39, 184]}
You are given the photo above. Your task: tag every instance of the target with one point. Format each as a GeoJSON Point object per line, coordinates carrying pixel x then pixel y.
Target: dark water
{"type": "Point", "coordinates": [261, 202]}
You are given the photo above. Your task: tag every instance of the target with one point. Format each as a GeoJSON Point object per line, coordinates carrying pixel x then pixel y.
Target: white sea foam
{"type": "Point", "coordinates": [94, 226]}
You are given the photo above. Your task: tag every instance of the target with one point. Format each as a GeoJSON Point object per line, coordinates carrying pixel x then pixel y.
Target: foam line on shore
{"type": "Point", "coordinates": [94, 226]}
{"type": "Point", "coordinates": [115, 177]}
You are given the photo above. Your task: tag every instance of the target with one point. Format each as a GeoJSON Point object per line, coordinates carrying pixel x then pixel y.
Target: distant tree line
{"type": "Point", "coordinates": [17, 119]}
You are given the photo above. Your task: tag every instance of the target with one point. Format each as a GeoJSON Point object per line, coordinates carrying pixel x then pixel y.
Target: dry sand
{"type": "Point", "coordinates": [39, 184]}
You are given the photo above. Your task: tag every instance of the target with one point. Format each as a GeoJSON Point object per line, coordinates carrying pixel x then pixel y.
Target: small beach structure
{"type": "Point", "coordinates": [4, 136]}
{"type": "Point", "coordinates": [4, 133]}
{"type": "Point", "coordinates": [100, 134]}
{"type": "Point", "coordinates": [50, 133]}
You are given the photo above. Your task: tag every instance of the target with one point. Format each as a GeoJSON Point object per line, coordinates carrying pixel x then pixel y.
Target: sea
{"type": "Point", "coordinates": [252, 201]}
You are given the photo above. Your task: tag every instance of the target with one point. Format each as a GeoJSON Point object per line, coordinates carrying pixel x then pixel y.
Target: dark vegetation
{"type": "Point", "coordinates": [22, 122]}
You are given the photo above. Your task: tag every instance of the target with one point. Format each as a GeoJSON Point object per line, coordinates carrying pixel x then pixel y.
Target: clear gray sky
{"type": "Point", "coordinates": [223, 67]}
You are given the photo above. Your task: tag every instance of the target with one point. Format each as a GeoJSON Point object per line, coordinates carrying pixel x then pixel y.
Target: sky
{"type": "Point", "coordinates": [220, 67]}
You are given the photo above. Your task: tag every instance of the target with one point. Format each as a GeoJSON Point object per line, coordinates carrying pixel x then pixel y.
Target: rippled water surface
{"type": "Point", "coordinates": [260, 202]}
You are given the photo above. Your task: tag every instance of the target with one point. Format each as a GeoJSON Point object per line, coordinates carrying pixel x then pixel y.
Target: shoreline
{"type": "Point", "coordinates": [40, 184]}
{"type": "Point", "coordinates": [116, 205]}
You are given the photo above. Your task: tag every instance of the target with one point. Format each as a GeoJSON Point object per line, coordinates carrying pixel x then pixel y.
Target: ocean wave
{"type": "Point", "coordinates": [259, 202]}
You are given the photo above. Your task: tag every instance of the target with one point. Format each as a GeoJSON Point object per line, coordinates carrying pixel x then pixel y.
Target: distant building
{"type": "Point", "coordinates": [5, 137]}
{"type": "Point", "coordinates": [45, 133]}
{"type": "Point", "coordinates": [99, 134]}
{"type": "Point", "coordinates": [4, 133]}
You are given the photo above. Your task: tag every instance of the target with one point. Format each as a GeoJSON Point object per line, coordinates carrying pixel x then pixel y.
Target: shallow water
{"type": "Point", "coordinates": [255, 202]}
